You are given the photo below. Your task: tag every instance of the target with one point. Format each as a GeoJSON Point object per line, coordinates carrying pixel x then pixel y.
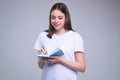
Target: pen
{"type": "Point", "coordinates": [43, 51]}
{"type": "Point", "coordinates": [43, 47]}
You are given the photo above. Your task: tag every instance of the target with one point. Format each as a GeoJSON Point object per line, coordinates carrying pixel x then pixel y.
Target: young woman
{"type": "Point", "coordinates": [60, 34]}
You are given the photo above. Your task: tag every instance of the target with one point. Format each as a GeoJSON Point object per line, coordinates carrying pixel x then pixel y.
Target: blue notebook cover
{"type": "Point", "coordinates": [56, 52]}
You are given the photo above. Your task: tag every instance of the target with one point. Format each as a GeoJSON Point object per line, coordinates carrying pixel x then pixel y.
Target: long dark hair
{"type": "Point", "coordinates": [63, 8]}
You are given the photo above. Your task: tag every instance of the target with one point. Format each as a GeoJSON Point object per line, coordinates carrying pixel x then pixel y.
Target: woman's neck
{"type": "Point", "coordinates": [60, 32]}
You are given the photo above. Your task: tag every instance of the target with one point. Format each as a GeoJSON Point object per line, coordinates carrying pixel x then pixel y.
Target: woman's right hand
{"type": "Point", "coordinates": [41, 61]}
{"type": "Point", "coordinates": [42, 52]}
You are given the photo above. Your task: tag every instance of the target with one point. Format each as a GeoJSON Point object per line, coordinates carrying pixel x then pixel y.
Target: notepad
{"type": "Point", "coordinates": [56, 52]}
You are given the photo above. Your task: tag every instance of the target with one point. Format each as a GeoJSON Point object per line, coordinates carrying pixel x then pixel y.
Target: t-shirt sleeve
{"type": "Point", "coordinates": [79, 46]}
{"type": "Point", "coordinates": [38, 43]}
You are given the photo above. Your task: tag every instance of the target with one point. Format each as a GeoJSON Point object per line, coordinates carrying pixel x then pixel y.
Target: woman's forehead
{"type": "Point", "coordinates": [57, 12]}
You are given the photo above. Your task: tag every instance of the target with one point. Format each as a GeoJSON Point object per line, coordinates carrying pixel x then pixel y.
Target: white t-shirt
{"type": "Point", "coordinates": [68, 42]}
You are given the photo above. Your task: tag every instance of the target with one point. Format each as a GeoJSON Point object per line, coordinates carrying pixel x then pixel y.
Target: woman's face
{"type": "Point", "coordinates": [57, 20]}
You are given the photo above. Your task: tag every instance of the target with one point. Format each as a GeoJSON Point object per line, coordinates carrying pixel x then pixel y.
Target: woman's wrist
{"type": "Point", "coordinates": [41, 63]}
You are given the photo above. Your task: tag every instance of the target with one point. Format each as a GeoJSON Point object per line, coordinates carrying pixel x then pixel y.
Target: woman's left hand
{"type": "Point", "coordinates": [54, 59]}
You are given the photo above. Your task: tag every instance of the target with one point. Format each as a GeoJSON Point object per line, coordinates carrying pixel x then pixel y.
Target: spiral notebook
{"type": "Point", "coordinates": [56, 52]}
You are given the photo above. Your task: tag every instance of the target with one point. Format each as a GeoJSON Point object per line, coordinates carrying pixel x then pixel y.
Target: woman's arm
{"type": "Point", "coordinates": [78, 65]}
{"type": "Point", "coordinates": [40, 63]}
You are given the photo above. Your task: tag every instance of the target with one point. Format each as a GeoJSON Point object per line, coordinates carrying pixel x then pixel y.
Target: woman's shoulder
{"type": "Point", "coordinates": [75, 33]}
{"type": "Point", "coordinates": [43, 33]}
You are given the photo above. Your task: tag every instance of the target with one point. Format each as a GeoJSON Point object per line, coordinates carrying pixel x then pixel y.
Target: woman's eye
{"type": "Point", "coordinates": [52, 17]}
{"type": "Point", "coordinates": [60, 17]}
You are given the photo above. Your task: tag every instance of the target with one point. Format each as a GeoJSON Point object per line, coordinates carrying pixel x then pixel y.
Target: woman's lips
{"type": "Point", "coordinates": [56, 24]}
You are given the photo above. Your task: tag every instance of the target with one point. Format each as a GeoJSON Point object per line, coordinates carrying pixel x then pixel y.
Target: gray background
{"type": "Point", "coordinates": [98, 21]}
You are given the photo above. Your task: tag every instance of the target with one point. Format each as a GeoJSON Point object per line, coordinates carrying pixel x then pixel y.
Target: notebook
{"type": "Point", "coordinates": [56, 52]}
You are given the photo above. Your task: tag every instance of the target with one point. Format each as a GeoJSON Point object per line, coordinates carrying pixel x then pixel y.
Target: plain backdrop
{"type": "Point", "coordinates": [98, 22]}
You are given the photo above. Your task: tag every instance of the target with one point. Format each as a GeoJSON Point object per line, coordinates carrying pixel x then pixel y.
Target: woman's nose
{"type": "Point", "coordinates": [56, 20]}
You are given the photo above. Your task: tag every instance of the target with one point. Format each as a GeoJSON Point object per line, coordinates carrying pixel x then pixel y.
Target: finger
{"type": "Point", "coordinates": [41, 52]}
{"type": "Point", "coordinates": [45, 59]}
{"type": "Point", "coordinates": [51, 61]}
{"type": "Point", "coordinates": [45, 51]}
{"type": "Point", "coordinates": [48, 60]}
{"type": "Point", "coordinates": [54, 57]}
